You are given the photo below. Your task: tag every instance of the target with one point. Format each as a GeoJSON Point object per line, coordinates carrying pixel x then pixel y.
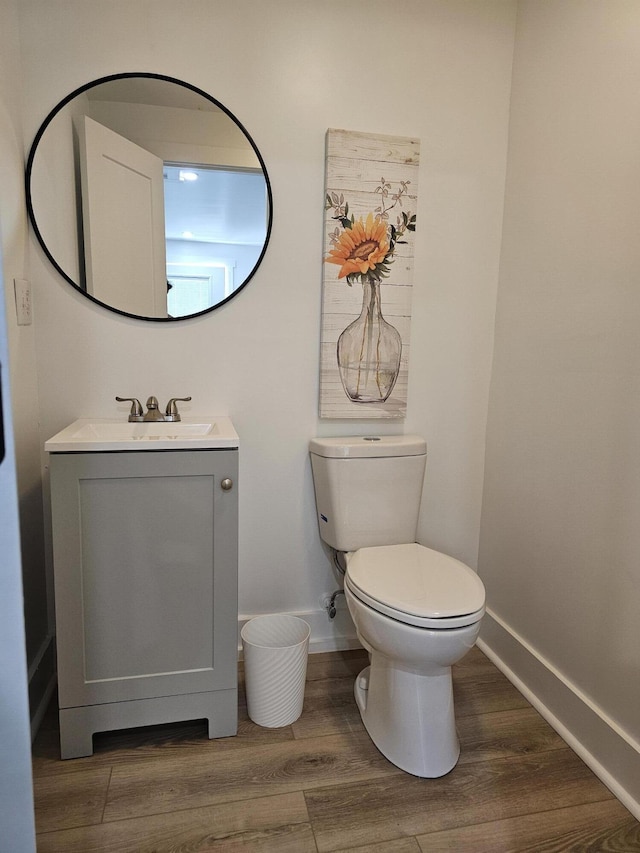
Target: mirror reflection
{"type": "Point", "coordinates": [149, 196]}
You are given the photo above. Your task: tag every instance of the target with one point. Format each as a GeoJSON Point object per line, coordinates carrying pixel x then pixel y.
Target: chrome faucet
{"type": "Point", "coordinates": [153, 413]}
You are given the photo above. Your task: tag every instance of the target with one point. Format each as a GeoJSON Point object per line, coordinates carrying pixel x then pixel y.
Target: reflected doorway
{"type": "Point", "coordinates": [216, 222]}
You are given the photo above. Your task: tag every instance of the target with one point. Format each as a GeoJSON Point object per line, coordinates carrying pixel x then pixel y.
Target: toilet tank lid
{"type": "Point", "coordinates": [367, 446]}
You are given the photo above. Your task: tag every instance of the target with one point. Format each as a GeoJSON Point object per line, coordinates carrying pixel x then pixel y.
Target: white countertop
{"type": "Point", "coordinates": [88, 435]}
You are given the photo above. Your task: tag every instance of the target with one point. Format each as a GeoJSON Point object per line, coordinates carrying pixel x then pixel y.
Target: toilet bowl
{"type": "Point", "coordinates": [417, 611]}
{"type": "Point", "coordinates": [415, 628]}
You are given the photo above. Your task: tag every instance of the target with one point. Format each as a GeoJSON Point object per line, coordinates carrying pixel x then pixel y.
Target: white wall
{"type": "Point", "coordinates": [560, 534]}
{"type": "Point", "coordinates": [22, 353]}
{"type": "Point", "coordinates": [16, 798]}
{"type": "Point", "coordinates": [289, 70]}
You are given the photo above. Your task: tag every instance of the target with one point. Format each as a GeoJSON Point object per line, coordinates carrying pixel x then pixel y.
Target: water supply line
{"type": "Point", "coordinates": [336, 560]}
{"type": "Point", "coordinates": [331, 602]}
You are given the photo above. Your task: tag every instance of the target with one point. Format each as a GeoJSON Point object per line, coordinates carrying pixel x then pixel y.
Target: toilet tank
{"type": "Point", "coordinates": [368, 489]}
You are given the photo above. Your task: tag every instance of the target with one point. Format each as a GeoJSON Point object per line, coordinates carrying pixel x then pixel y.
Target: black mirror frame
{"type": "Point", "coordinates": [32, 216]}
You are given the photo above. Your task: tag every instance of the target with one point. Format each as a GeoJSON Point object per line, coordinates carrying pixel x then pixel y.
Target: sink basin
{"type": "Point", "coordinates": [95, 430]}
{"type": "Point", "coordinates": [104, 434]}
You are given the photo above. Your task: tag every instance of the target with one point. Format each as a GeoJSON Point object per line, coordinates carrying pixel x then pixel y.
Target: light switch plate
{"type": "Point", "coordinates": [23, 301]}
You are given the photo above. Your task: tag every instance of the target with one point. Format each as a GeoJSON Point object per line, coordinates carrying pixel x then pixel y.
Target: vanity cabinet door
{"type": "Point", "coordinates": [145, 561]}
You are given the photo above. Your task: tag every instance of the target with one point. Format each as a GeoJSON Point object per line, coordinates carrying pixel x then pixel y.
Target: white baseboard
{"type": "Point", "coordinates": [611, 752]}
{"type": "Point", "coordinates": [327, 635]}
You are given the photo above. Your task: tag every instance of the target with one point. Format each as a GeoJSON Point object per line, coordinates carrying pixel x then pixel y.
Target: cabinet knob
{"type": "Point", "coordinates": [226, 484]}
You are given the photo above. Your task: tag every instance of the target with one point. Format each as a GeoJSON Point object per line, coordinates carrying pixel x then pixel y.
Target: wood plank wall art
{"type": "Point", "coordinates": [371, 195]}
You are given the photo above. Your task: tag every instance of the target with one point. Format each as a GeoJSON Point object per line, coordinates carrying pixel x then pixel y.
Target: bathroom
{"type": "Point", "coordinates": [523, 376]}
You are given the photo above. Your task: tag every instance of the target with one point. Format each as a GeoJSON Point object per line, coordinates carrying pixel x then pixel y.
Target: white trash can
{"type": "Point", "coordinates": [275, 649]}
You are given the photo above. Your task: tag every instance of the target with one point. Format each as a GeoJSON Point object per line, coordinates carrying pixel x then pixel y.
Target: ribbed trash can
{"type": "Point", "coordinates": [275, 649]}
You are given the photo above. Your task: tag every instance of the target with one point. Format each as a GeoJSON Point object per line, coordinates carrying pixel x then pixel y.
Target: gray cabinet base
{"type": "Point", "coordinates": [78, 725]}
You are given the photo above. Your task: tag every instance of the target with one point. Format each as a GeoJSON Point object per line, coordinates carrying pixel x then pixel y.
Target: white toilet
{"type": "Point", "coordinates": [416, 611]}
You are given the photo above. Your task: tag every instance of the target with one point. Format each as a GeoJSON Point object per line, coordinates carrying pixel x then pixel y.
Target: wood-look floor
{"type": "Point", "coordinates": [320, 784]}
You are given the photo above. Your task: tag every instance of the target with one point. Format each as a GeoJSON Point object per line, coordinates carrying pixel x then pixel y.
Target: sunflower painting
{"type": "Point", "coordinates": [370, 222]}
{"type": "Point", "coordinates": [361, 247]}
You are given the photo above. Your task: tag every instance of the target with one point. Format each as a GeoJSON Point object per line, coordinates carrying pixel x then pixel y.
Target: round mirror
{"type": "Point", "coordinates": [149, 196]}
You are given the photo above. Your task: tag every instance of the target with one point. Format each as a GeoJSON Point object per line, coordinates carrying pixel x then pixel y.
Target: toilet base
{"type": "Point", "coordinates": [409, 717]}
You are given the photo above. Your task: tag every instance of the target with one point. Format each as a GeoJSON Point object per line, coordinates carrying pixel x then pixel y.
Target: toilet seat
{"type": "Point", "coordinates": [416, 585]}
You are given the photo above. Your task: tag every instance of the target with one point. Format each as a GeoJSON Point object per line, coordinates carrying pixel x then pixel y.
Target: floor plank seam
{"type": "Point", "coordinates": [106, 795]}
{"type": "Point", "coordinates": [179, 810]}
{"type": "Point", "coordinates": [172, 811]}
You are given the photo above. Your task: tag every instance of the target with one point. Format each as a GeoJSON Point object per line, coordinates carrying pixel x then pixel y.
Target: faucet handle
{"type": "Point", "coordinates": [136, 408]}
{"type": "Point", "coordinates": [172, 413]}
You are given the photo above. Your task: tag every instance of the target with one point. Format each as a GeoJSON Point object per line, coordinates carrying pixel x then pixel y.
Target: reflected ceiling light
{"type": "Point", "coordinates": [188, 176]}
{"type": "Point", "coordinates": [187, 235]}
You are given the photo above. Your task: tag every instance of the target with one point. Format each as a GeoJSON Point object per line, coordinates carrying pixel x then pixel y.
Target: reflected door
{"type": "Point", "coordinates": [122, 207]}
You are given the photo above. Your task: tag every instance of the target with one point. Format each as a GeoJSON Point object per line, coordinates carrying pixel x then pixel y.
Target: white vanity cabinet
{"type": "Point", "coordinates": [145, 567]}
